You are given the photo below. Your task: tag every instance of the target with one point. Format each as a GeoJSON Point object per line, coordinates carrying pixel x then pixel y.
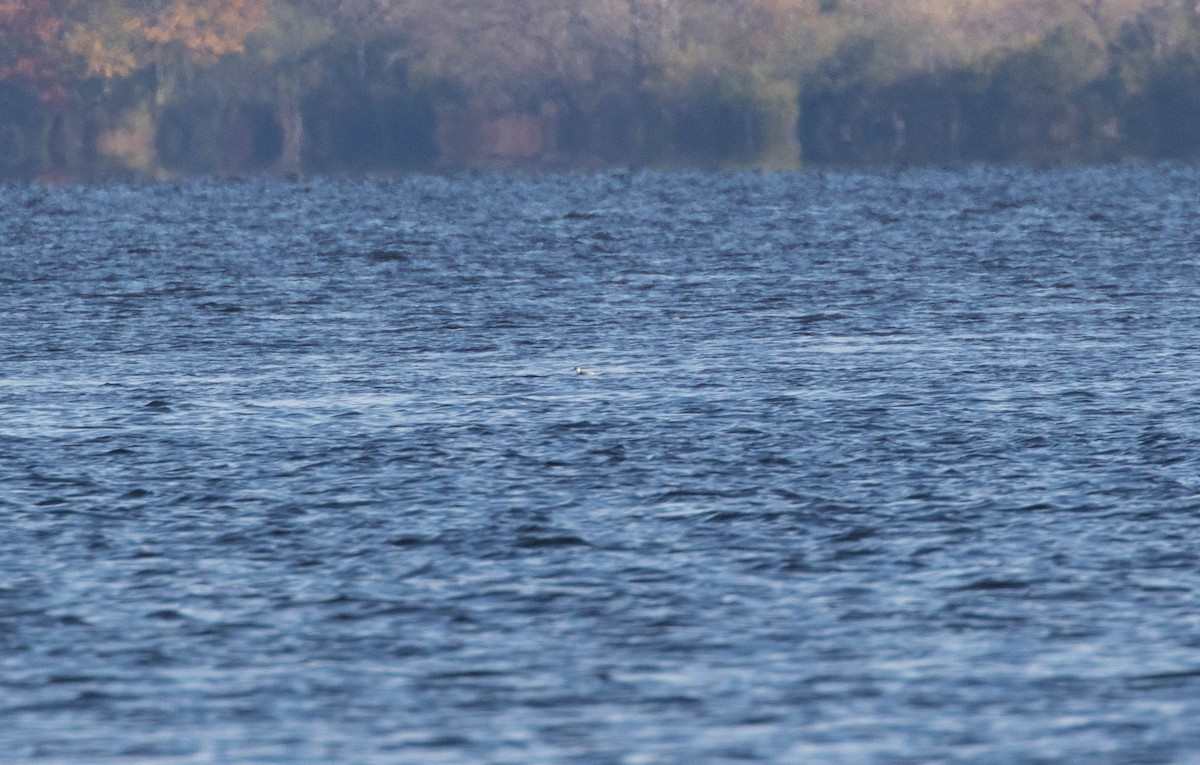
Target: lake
{"type": "Point", "coordinates": [877, 467]}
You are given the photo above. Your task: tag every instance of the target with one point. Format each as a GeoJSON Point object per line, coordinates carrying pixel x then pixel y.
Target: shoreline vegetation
{"type": "Point", "coordinates": [93, 89]}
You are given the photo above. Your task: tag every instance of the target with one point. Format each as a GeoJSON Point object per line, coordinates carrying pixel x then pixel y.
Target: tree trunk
{"type": "Point", "coordinates": [291, 121]}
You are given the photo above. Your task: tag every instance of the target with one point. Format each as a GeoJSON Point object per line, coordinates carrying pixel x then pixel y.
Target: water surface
{"type": "Point", "coordinates": [896, 468]}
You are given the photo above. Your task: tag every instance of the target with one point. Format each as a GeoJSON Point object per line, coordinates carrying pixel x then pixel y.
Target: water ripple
{"type": "Point", "coordinates": [895, 467]}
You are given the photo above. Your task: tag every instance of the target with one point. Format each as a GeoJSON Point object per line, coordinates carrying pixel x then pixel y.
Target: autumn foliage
{"type": "Point", "coordinates": [602, 80]}
{"type": "Point", "coordinates": [31, 48]}
{"type": "Point", "coordinates": [205, 30]}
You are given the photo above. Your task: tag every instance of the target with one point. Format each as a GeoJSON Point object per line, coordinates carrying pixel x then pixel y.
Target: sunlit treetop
{"type": "Point", "coordinates": [206, 29]}
{"type": "Point", "coordinates": [116, 37]}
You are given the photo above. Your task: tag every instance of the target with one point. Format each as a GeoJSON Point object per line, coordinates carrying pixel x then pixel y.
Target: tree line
{"type": "Point", "coordinates": [103, 88]}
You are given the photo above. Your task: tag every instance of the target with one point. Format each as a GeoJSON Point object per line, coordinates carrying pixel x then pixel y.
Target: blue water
{"type": "Point", "coordinates": [878, 468]}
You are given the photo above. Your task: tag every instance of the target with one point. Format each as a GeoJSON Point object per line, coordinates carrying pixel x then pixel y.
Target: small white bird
{"type": "Point", "coordinates": [581, 371]}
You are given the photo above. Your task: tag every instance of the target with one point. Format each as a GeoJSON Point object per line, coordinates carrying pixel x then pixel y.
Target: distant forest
{"type": "Point", "coordinates": [158, 88]}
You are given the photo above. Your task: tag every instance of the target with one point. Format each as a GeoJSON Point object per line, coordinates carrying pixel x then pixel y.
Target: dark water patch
{"type": "Point", "coordinates": [1176, 679]}
{"type": "Point", "coordinates": [992, 585]}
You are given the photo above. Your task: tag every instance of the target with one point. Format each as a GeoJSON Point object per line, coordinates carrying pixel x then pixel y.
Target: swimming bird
{"type": "Point", "coordinates": [581, 371]}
